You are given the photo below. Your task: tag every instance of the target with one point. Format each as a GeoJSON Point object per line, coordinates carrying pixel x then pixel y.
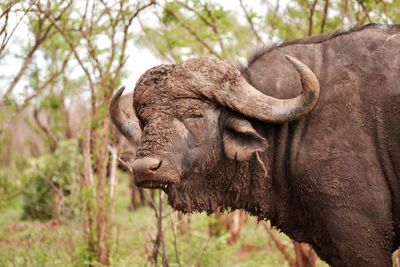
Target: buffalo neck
{"type": "Point", "coordinates": [265, 179]}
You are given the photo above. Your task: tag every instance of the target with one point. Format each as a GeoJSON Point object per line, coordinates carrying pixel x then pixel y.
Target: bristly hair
{"type": "Point", "coordinates": [259, 52]}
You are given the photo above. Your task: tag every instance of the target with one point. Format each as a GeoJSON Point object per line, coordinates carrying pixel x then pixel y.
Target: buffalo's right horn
{"type": "Point", "coordinates": [127, 126]}
{"type": "Point", "coordinates": [269, 109]}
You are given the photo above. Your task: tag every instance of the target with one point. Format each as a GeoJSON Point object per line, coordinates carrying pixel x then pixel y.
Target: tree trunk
{"type": "Point", "coordinates": [103, 216]}
{"type": "Point", "coordinates": [57, 205]}
{"type": "Point", "coordinates": [215, 223]}
{"type": "Point", "coordinates": [234, 222]}
{"type": "Point", "coordinates": [184, 223]}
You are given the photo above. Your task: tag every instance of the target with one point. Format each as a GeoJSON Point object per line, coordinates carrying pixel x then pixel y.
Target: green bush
{"type": "Point", "coordinates": [49, 174]}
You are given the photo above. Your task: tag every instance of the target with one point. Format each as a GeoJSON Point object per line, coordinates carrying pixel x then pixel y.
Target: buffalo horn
{"type": "Point", "coordinates": [251, 102]}
{"type": "Point", "coordinates": [126, 126]}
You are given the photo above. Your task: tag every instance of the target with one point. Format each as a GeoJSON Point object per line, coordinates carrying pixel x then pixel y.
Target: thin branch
{"type": "Point", "coordinates": [126, 165]}
{"type": "Point", "coordinates": [164, 253]}
{"type": "Point", "coordinates": [250, 21]}
{"type": "Point", "coordinates": [194, 34]}
{"type": "Point", "coordinates": [50, 80]}
{"type": "Point", "coordinates": [280, 246]}
{"type": "Point", "coordinates": [174, 240]}
{"type": "Point", "coordinates": [113, 23]}
{"type": "Point", "coordinates": [40, 37]}
{"type": "Point", "coordinates": [50, 136]}
{"type": "Point", "coordinates": [203, 249]}
{"type": "Point", "coordinates": [113, 176]}
{"type": "Point", "coordinates": [3, 31]}
{"type": "Point", "coordinates": [4, 44]}
{"type": "Point", "coordinates": [167, 56]}
{"type": "Point", "coordinates": [311, 17]}
{"type": "Point", "coordinates": [200, 16]}
{"type": "Point", "coordinates": [92, 52]}
{"type": "Point", "coordinates": [157, 241]}
{"type": "Point", "coordinates": [6, 11]}
{"type": "Point", "coordinates": [27, 60]}
{"type": "Point", "coordinates": [38, 90]}
{"type": "Point", "coordinates": [170, 56]}
{"type": "Point", "coordinates": [324, 16]}
{"type": "Point", "coordinates": [122, 59]}
{"type": "Point", "coordinates": [88, 175]}
{"type": "Point", "coordinates": [212, 25]}
{"type": "Point", "coordinates": [364, 9]}
{"type": "Point", "coordinates": [215, 28]}
{"type": "Point", "coordinates": [72, 46]}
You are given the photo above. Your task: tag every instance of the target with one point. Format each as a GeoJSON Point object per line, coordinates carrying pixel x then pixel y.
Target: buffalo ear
{"type": "Point", "coordinates": [241, 140]}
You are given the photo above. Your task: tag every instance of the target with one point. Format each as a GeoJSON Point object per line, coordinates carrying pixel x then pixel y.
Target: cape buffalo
{"type": "Point", "coordinates": [311, 144]}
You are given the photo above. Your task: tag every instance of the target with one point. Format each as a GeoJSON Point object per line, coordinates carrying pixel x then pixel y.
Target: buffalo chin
{"type": "Point", "coordinates": [183, 199]}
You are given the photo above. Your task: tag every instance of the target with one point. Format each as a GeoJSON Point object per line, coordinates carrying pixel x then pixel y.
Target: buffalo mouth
{"type": "Point", "coordinates": [154, 185]}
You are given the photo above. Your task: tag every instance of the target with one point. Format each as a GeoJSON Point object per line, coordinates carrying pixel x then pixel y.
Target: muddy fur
{"type": "Point", "coordinates": [329, 179]}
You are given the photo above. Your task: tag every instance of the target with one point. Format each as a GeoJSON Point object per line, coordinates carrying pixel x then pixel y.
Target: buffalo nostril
{"type": "Point", "coordinates": [145, 165]}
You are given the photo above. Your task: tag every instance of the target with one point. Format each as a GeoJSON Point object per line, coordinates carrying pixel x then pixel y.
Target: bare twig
{"type": "Point", "coordinates": [251, 23]}
{"type": "Point", "coordinates": [194, 34]}
{"type": "Point", "coordinates": [48, 133]}
{"type": "Point", "coordinates": [173, 226]}
{"type": "Point", "coordinates": [311, 17]}
{"type": "Point", "coordinates": [113, 22]}
{"type": "Point", "coordinates": [364, 9]}
{"type": "Point", "coordinates": [27, 60]}
{"type": "Point", "coordinates": [72, 46]}
{"type": "Point", "coordinates": [280, 246]}
{"type": "Point", "coordinates": [159, 240]}
{"type": "Point", "coordinates": [40, 37]}
{"type": "Point", "coordinates": [212, 24]}
{"type": "Point", "coordinates": [215, 28]}
{"type": "Point", "coordinates": [87, 164]}
{"type": "Point", "coordinates": [170, 56]}
{"type": "Point", "coordinates": [37, 91]}
{"type": "Point", "coordinates": [305, 255]}
{"type": "Point", "coordinates": [203, 249]}
{"type": "Point", "coordinates": [51, 79]}
{"type": "Point", "coordinates": [122, 57]}
{"type": "Point", "coordinates": [324, 16]}
{"type": "Point", "coordinates": [126, 165]}
{"type": "Point", "coordinates": [6, 12]}
{"type": "Point", "coordinates": [113, 168]}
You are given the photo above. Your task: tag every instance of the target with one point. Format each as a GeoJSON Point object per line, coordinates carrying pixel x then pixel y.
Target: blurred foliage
{"type": "Point", "coordinates": [30, 243]}
{"type": "Point", "coordinates": [51, 174]}
{"type": "Point", "coordinates": [187, 28]}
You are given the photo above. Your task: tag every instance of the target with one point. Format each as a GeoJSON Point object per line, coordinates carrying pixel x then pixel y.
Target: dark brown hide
{"type": "Point", "coordinates": [339, 165]}
{"type": "Point", "coordinates": [329, 178]}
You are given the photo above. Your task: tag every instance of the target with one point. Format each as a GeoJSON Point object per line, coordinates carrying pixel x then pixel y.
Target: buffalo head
{"type": "Point", "coordinates": [195, 127]}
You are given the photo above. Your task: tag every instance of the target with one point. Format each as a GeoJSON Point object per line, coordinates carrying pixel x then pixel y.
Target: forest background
{"type": "Point", "coordinates": [66, 198]}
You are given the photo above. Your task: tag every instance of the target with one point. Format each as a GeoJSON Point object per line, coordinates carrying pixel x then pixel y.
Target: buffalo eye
{"type": "Point", "coordinates": [193, 122]}
{"type": "Point", "coordinates": [193, 116]}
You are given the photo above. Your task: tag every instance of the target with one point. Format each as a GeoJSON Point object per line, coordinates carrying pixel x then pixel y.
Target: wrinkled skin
{"type": "Point", "coordinates": [329, 178]}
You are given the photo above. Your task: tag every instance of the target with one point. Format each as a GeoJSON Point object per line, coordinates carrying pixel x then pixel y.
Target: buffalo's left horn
{"type": "Point", "coordinates": [246, 99]}
{"type": "Point", "coordinates": [127, 126]}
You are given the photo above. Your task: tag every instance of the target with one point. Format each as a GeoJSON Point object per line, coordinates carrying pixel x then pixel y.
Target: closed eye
{"type": "Point", "coordinates": [194, 116]}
